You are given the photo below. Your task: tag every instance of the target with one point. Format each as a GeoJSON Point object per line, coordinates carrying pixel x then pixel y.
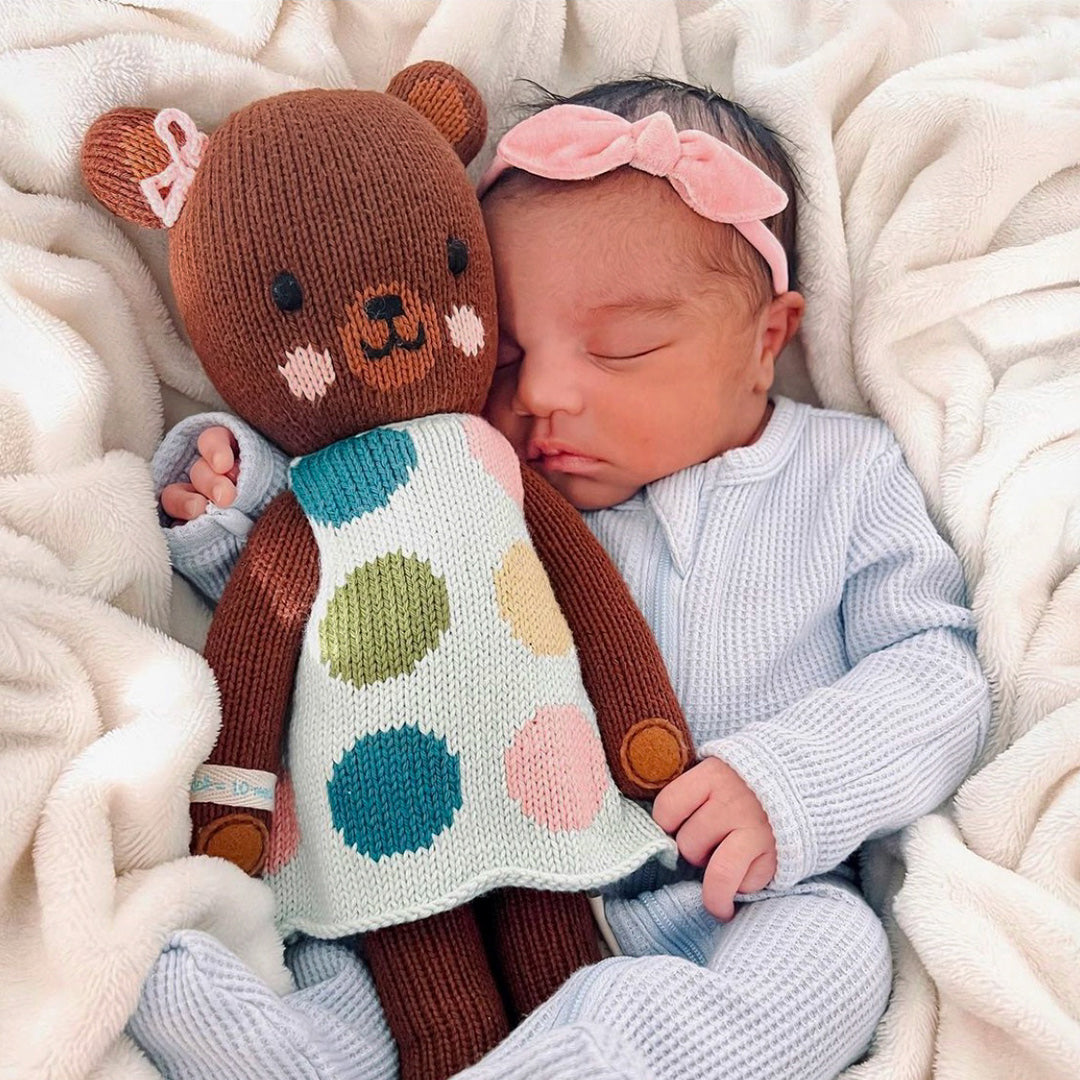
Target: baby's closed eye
{"type": "Point", "coordinates": [629, 334]}
{"type": "Point", "coordinates": [626, 350]}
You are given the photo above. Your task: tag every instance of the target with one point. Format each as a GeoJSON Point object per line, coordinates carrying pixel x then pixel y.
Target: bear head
{"type": "Point", "coordinates": [326, 249]}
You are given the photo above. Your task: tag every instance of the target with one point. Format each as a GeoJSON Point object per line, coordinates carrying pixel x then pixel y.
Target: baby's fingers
{"type": "Point", "coordinates": [681, 798]}
{"type": "Point", "coordinates": [726, 870]}
{"type": "Point", "coordinates": [182, 502]}
{"type": "Point", "coordinates": [219, 450]}
{"type": "Point", "coordinates": [700, 834]}
{"type": "Point", "coordinates": [208, 483]}
{"type": "Point", "coordinates": [762, 871]}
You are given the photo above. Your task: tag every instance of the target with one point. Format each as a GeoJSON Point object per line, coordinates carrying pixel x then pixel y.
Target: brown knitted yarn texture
{"type": "Point", "coordinates": [452, 104]}
{"type": "Point", "coordinates": [535, 940]}
{"type": "Point", "coordinates": [436, 982]}
{"type": "Point", "coordinates": [266, 605]}
{"type": "Point", "coordinates": [640, 719]}
{"type": "Point", "coordinates": [441, 1001]}
{"type": "Point", "coordinates": [121, 147]}
{"type": "Point", "coordinates": [306, 184]}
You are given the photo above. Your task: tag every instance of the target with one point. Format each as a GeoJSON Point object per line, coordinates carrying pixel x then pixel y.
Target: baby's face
{"type": "Point", "coordinates": [621, 358]}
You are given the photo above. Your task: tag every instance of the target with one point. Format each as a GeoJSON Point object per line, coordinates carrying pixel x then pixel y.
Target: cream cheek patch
{"type": "Point", "coordinates": [308, 372]}
{"type": "Point", "coordinates": [466, 329]}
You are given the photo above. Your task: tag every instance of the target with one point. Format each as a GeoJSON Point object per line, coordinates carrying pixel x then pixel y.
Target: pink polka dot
{"type": "Point", "coordinates": [557, 770]}
{"type": "Point", "coordinates": [496, 455]}
{"type": "Point", "coordinates": [284, 829]}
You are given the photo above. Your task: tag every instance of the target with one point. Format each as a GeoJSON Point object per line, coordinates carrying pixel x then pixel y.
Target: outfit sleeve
{"type": "Point", "coordinates": [898, 733]}
{"type": "Point", "coordinates": [205, 550]}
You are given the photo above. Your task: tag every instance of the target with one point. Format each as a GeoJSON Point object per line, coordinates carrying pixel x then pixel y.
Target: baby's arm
{"type": "Point", "coordinates": [897, 734]}
{"type": "Point", "coordinates": [205, 548]}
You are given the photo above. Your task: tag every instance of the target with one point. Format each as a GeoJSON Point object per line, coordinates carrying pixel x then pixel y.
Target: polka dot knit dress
{"type": "Point", "coordinates": [441, 743]}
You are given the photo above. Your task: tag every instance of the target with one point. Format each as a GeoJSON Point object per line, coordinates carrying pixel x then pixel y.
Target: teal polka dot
{"type": "Point", "coordinates": [353, 477]}
{"type": "Point", "coordinates": [394, 791]}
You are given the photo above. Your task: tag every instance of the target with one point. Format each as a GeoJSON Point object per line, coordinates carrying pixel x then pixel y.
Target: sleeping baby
{"type": "Point", "coordinates": [813, 621]}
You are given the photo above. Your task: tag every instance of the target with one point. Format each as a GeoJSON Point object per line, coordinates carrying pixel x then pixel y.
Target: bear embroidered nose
{"type": "Point", "coordinates": [386, 307]}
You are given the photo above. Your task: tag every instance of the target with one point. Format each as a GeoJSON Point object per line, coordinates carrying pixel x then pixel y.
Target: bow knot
{"type": "Point", "coordinates": [656, 145]}
{"type": "Point", "coordinates": [176, 177]}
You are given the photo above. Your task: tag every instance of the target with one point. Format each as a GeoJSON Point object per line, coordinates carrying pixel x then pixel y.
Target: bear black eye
{"type": "Point", "coordinates": [286, 292]}
{"type": "Point", "coordinates": [457, 255]}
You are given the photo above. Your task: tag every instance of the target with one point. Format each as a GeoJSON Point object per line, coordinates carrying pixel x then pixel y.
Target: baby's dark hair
{"type": "Point", "coordinates": [705, 110]}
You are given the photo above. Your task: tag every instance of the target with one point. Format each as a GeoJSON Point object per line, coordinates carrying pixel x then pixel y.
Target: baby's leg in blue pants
{"type": "Point", "coordinates": [792, 987]}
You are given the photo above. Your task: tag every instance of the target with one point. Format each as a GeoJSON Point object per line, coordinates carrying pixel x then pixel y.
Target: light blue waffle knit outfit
{"type": "Point", "coordinates": [815, 628]}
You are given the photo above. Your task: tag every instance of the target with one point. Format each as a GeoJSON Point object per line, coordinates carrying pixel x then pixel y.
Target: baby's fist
{"type": "Point", "coordinates": [213, 477]}
{"type": "Point", "coordinates": [718, 823]}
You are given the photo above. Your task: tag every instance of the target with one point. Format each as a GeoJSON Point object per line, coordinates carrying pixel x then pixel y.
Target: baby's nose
{"type": "Point", "coordinates": [388, 307]}
{"type": "Point", "coordinates": [545, 385]}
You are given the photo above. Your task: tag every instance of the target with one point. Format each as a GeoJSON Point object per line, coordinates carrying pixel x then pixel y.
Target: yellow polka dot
{"type": "Point", "coordinates": [528, 604]}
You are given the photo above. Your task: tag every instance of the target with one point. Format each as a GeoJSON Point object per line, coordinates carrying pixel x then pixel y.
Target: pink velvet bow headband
{"type": "Point", "coordinates": [577, 142]}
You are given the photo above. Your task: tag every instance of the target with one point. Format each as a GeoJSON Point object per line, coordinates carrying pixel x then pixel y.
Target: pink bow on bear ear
{"type": "Point", "coordinates": [577, 142]}
{"type": "Point", "coordinates": [176, 177]}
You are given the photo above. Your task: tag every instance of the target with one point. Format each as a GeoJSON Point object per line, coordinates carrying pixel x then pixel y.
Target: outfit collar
{"type": "Point", "coordinates": [676, 499]}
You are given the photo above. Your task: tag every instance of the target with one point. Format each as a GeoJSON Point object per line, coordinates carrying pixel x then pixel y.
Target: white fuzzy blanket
{"type": "Point", "coordinates": [939, 144]}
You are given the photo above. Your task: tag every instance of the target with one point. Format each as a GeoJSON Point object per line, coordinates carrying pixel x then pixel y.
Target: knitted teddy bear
{"type": "Point", "coordinates": [395, 651]}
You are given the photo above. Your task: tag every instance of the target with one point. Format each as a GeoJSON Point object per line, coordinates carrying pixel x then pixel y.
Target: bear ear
{"type": "Point", "coordinates": [443, 95]}
{"type": "Point", "coordinates": [131, 157]}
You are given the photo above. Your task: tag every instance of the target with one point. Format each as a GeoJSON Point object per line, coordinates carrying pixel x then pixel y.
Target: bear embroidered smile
{"type": "Point", "coordinates": [387, 309]}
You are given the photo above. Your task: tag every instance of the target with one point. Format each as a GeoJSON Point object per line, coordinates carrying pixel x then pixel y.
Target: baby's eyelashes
{"type": "Point", "coordinates": [626, 351]}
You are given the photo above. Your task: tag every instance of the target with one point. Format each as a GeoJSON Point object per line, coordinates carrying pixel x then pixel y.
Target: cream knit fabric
{"type": "Point", "coordinates": [441, 742]}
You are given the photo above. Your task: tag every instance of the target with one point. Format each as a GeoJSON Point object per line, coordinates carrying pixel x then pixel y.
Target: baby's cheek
{"type": "Point", "coordinates": [499, 411]}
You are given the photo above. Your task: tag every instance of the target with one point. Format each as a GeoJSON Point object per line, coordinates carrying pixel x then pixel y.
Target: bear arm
{"type": "Point", "coordinates": [253, 647]}
{"type": "Point", "coordinates": [641, 723]}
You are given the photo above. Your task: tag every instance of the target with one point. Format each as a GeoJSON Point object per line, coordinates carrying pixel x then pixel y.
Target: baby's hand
{"type": "Point", "coordinates": [213, 477]}
{"type": "Point", "coordinates": [716, 819]}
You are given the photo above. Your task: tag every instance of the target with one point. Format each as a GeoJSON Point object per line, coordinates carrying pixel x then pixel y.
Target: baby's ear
{"type": "Point", "coordinates": [127, 147]}
{"type": "Point", "coordinates": [443, 95]}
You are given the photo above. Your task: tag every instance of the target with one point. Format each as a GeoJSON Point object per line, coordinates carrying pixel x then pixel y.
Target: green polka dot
{"type": "Point", "coordinates": [386, 617]}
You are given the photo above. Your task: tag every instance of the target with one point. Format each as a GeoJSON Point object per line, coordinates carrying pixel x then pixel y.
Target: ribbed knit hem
{"type": "Point", "coordinates": [766, 776]}
{"type": "Point", "coordinates": [502, 878]}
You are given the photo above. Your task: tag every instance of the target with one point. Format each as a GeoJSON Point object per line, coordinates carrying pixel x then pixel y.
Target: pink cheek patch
{"type": "Point", "coordinates": [496, 455]}
{"type": "Point", "coordinates": [308, 372]}
{"type": "Point", "coordinates": [285, 829]}
{"type": "Point", "coordinates": [466, 329]}
{"type": "Point", "coordinates": [556, 769]}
